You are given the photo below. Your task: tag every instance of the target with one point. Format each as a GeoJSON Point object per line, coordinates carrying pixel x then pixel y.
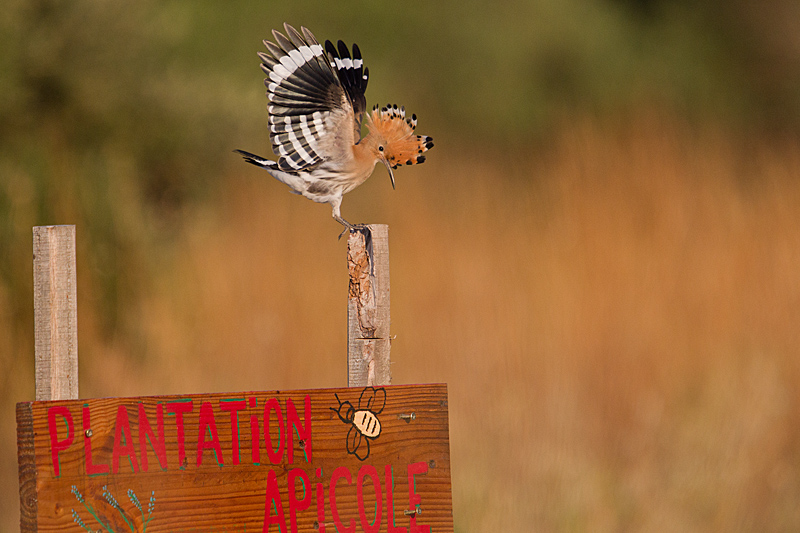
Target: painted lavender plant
{"type": "Point", "coordinates": [112, 501]}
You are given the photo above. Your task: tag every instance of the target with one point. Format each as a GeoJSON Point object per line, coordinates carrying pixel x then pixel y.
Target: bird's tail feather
{"type": "Point", "coordinates": [257, 160]}
{"type": "Point", "coordinates": [295, 182]}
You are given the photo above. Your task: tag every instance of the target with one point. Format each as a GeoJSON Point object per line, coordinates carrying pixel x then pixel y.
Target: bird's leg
{"type": "Point", "coordinates": [343, 222]}
{"type": "Point", "coordinates": [350, 227]}
{"type": "Point", "coordinates": [337, 216]}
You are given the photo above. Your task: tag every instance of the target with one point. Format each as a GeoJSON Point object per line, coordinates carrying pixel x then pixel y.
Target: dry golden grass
{"type": "Point", "coordinates": [618, 320]}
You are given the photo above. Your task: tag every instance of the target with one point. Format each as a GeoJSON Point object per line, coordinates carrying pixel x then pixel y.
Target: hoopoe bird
{"type": "Point", "coordinates": [316, 109]}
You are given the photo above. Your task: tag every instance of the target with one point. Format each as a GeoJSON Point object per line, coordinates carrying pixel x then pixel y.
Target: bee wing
{"type": "Point", "coordinates": [354, 440]}
{"type": "Point", "coordinates": [362, 457]}
{"type": "Point", "coordinates": [374, 401]}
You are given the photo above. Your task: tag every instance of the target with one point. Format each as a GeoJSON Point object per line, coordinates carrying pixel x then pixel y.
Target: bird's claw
{"type": "Point", "coordinates": [352, 228]}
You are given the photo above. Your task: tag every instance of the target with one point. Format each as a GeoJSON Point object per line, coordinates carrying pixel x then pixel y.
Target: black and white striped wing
{"type": "Point", "coordinates": [307, 102]}
{"type": "Point", "coordinates": [352, 75]}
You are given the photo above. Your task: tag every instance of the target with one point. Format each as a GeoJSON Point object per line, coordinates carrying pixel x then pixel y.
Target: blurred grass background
{"type": "Point", "coordinates": [600, 256]}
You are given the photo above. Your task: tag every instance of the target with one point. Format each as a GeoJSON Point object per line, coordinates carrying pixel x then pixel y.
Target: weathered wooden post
{"type": "Point", "coordinates": [55, 310]}
{"type": "Point", "coordinates": [368, 318]}
{"type": "Point", "coordinates": [232, 461]}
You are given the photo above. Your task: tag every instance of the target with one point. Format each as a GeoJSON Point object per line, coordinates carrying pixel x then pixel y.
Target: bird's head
{"type": "Point", "coordinates": [391, 138]}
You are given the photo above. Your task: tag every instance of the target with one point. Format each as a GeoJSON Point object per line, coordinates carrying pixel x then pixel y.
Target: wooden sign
{"type": "Point", "coordinates": [336, 460]}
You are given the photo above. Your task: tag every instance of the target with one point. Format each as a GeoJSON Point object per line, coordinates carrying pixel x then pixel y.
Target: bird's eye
{"type": "Point", "coordinates": [380, 148]}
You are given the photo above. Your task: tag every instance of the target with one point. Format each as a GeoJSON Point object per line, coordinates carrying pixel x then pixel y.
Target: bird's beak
{"type": "Point", "coordinates": [391, 173]}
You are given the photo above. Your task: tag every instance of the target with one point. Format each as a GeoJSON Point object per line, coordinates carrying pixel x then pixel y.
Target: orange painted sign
{"type": "Point", "coordinates": [335, 460]}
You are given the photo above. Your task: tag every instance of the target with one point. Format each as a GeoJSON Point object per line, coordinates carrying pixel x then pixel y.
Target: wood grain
{"type": "Point", "coordinates": [55, 312]}
{"type": "Point", "coordinates": [368, 307]}
{"type": "Point", "coordinates": [215, 494]}
{"type": "Point", "coordinates": [27, 468]}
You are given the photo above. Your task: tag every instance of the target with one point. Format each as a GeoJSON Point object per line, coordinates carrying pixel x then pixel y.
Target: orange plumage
{"type": "Point", "coordinates": [402, 147]}
{"type": "Point", "coordinates": [316, 109]}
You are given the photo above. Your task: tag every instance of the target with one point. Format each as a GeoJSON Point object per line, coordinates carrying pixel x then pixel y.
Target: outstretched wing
{"type": "Point", "coordinates": [307, 102]}
{"type": "Point", "coordinates": [372, 399]}
{"type": "Point", "coordinates": [352, 75]}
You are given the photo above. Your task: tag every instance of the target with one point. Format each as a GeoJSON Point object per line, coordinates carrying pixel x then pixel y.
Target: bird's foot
{"type": "Point", "coordinates": [353, 228]}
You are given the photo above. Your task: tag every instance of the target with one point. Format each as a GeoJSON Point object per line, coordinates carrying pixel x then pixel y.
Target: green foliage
{"type": "Point", "coordinates": [102, 126]}
{"type": "Point", "coordinates": [117, 116]}
{"type": "Point", "coordinates": [120, 116]}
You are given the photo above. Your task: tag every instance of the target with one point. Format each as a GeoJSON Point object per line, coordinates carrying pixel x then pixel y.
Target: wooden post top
{"type": "Point", "coordinates": [368, 317]}
{"type": "Point", "coordinates": [55, 310]}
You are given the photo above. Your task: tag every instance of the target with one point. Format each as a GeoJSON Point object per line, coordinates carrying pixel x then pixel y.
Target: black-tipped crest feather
{"type": "Point", "coordinates": [316, 105]}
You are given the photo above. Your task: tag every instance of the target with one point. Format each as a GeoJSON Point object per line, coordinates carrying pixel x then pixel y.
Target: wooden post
{"type": "Point", "coordinates": [368, 321]}
{"type": "Point", "coordinates": [55, 310]}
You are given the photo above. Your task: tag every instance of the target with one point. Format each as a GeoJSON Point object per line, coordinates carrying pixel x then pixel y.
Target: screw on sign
{"type": "Point", "coordinates": [274, 461]}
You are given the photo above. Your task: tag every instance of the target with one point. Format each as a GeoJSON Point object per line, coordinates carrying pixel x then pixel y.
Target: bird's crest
{"type": "Point", "coordinates": [402, 146]}
{"type": "Point", "coordinates": [317, 108]}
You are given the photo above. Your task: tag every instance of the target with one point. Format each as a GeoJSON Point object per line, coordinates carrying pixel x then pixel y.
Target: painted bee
{"type": "Point", "coordinates": [363, 421]}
